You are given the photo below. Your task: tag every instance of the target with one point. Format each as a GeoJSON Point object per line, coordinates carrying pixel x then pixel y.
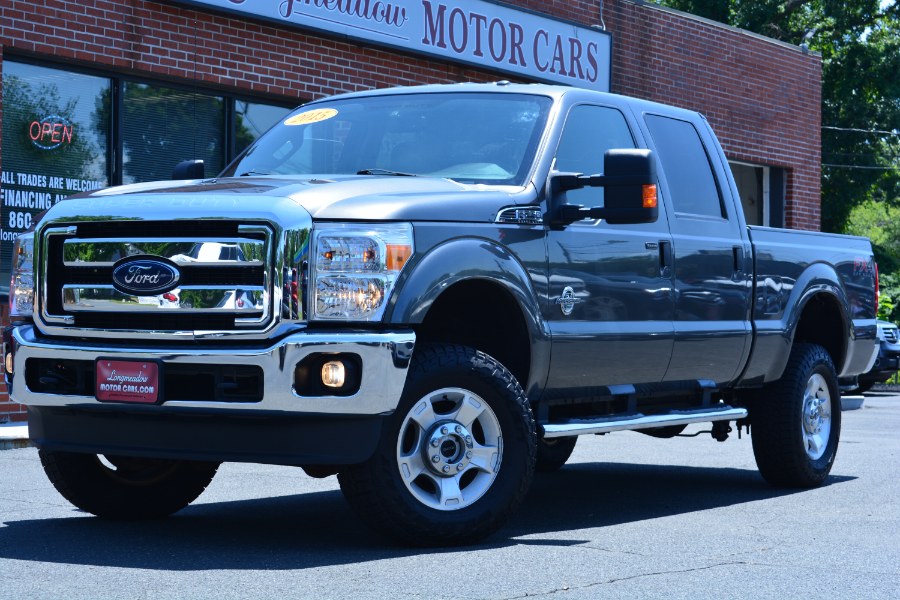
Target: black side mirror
{"type": "Point", "coordinates": [629, 181]}
{"type": "Point", "coordinates": [188, 169]}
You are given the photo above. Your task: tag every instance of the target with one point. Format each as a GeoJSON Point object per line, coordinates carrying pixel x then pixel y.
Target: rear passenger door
{"type": "Point", "coordinates": [611, 305]}
{"type": "Point", "coordinates": [712, 254]}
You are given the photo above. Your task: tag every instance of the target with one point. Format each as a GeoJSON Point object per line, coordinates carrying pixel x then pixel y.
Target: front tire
{"type": "Point", "coordinates": [456, 458]}
{"type": "Point", "coordinates": [796, 423]}
{"type": "Point", "coordinates": [121, 487]}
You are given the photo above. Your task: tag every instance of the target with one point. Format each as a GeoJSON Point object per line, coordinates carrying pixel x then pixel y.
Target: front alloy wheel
{"type": "Point", "coordinates": [449, 449]}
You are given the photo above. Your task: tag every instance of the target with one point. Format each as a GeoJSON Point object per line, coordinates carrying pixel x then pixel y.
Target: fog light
{"type": "Point", "coordinates": [333, 374]}
{"type": "Point", "coordinates": [328, 374]}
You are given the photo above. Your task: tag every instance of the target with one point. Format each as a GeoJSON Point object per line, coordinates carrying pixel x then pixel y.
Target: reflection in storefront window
{"type": "Point", "coordinates": [252, 120]}
{"type": "Point", "coordinates": [59, 127]}
{"type": "Point", "coordinates": [164, 126]}
{"type": "Point", "coordinates": [52, 147]}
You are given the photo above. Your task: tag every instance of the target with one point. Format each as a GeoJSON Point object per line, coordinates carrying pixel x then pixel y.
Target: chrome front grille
{"type": "Point", "coordinates": [891, 334]}
{"type": "Point", "coordinates": [225, 272]}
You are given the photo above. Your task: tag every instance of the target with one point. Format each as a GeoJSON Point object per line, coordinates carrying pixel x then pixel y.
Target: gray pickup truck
{"type": "Point", "coordinates": [430, 292]}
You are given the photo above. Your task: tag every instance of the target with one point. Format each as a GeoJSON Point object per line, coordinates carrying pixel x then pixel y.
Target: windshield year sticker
{"type": "Point", "coordinates": [311, 116]}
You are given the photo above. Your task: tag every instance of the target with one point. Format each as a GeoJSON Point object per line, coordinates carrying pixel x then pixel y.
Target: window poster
{"type": "Point", "coordinates": [55, 131]}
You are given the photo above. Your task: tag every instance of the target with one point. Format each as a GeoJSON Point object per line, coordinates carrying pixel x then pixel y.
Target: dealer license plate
{"type": "Point", "coordinates": [127, 381]}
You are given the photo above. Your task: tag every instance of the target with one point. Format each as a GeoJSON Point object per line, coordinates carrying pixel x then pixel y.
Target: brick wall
{"type": "Point", "coordinates": [761, 97]}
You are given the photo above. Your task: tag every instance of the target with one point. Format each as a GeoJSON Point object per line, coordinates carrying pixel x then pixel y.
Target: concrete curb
{"type": "Point", "coordinates": [852, 402]}
{"type": "Point", "coordinates": [14, 435]}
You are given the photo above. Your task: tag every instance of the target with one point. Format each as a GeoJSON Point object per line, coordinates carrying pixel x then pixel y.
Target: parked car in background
{"type": "Point", "coordinates": [888, 361]}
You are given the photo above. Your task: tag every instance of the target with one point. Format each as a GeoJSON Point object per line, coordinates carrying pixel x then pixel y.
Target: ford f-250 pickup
{"type": "Point", "coordinates": [430, 292]}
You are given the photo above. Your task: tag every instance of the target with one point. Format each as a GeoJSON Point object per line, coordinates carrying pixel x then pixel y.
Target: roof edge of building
{"type": "Point", "coordinates": [654, 6]}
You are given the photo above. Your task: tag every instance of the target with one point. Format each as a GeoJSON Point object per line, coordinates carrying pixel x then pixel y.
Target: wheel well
{"type": "Point", "coordinates": [484, 316]}
{"type": "Point", "coordinates": [815, 326]}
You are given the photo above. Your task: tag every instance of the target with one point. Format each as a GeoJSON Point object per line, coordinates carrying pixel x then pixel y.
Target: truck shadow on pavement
{"type": "Point", "coordinates": [317, 529]}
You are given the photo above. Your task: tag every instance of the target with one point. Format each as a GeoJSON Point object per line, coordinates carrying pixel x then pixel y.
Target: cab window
{"type": "Point", "coordinates": [588, 133]}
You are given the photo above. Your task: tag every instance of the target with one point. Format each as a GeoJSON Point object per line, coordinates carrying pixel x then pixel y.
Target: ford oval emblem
{"type": "Point", "coordinates": [145, 276]}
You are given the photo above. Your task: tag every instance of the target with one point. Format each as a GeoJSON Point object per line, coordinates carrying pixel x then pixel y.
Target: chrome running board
{"type": "Point", "coordinates": [640, 421]}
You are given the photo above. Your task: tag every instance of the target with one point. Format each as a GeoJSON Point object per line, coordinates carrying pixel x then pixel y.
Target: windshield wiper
{"type": "Point", "coordinates": [254, 172]}
{"type": "Point", "coordinates": [385, 172]}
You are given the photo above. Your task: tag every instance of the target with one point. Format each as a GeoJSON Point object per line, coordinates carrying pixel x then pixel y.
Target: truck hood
{"type": "Point", "coordinates": [341, 197]}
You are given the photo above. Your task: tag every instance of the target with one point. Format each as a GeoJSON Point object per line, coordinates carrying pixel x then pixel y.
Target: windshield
{"type": "Point", "coordinates": [469, 137]}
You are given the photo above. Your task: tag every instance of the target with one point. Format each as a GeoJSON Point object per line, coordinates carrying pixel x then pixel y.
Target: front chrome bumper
{"type": "Point", "coordinates": [384, 357]}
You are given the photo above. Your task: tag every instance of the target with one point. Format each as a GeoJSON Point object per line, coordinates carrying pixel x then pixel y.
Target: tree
{"type": "Point", "coordinates": [859, 41]}
{"type": "Point", "coordinates": [880, 222]}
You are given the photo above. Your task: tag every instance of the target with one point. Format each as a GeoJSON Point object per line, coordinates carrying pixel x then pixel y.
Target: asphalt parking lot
{"type": "Point", "coordinates": [629, 517]}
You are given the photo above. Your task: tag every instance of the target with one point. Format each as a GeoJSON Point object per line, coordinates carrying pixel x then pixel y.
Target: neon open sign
{"type": "Point", "coordinates": [51, 132]}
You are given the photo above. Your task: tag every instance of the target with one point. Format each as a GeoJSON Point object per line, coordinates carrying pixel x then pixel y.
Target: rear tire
{"type": "Point", "coordinates": [796, 422]}
{"type": "Point", "coordinates": [120, 487]}
{"type": "Point", "coordinates": [553, 453]}
{"type": "Point", "coordinates": [456, 458]}
{"type": "Point", "coordinates": [862, 388]}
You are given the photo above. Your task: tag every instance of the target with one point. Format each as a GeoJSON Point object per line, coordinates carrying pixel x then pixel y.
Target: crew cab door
{"type": "Point", "coordinates": [712, 253]}
{"type": "Point", "coordinates": [611, 303]}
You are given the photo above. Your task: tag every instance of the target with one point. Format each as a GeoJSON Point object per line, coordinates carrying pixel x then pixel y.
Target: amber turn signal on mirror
{"type": "Point", "coordinates": [650, 198]}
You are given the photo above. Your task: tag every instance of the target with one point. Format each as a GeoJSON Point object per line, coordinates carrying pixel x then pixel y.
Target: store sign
{"type": "Point", "coordinates": [51, 132]}
{"type": "Point", "coordinates": [471, 31]}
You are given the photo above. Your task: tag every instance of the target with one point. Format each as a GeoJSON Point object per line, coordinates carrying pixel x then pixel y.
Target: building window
{"type": "Point", "coordinates": [54, 144]}
{"type": "Point", "coordinates": [252, 119]}
{"type": "Point", "coordinates": [761, 189]}
{"type": "Point", "coordinates": [753, 187]}
{"type": "Point", "coordinates": [66, 132]}
{"type": "Point", "coordinates": [164, 126]}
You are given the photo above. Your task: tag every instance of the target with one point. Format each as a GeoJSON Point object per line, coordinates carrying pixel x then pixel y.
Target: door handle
{"type": "Point", "coordinates": [737, 253]}
{"type": "Point", "coordinates": [666, 259]}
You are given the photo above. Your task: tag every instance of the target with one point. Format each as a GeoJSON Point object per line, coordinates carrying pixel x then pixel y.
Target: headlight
{"type": "Point", "coordinates": [21, 285]}
{"type": "Point", "coordinates": [356, 267]}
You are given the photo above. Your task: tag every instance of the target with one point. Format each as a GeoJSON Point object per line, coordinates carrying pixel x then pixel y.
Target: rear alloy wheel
{"type": "Point", "coordinates": [817, 407]}
{"type": "Point", "coordinates": [457, 457]}
{"type": "Point", "coordinates": [123, 487]}
{"type": "Point", "coordinates": [796, 424]}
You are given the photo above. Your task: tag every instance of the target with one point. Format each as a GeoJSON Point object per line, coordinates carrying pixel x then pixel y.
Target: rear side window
{"type": "Point", "coordinates": [687, 167]}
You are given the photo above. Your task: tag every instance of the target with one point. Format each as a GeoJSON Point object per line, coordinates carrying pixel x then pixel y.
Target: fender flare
{"type": "Point", "coordinates": [817, 279]}
{"type": "Point", "coordinates": [467, 259]}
